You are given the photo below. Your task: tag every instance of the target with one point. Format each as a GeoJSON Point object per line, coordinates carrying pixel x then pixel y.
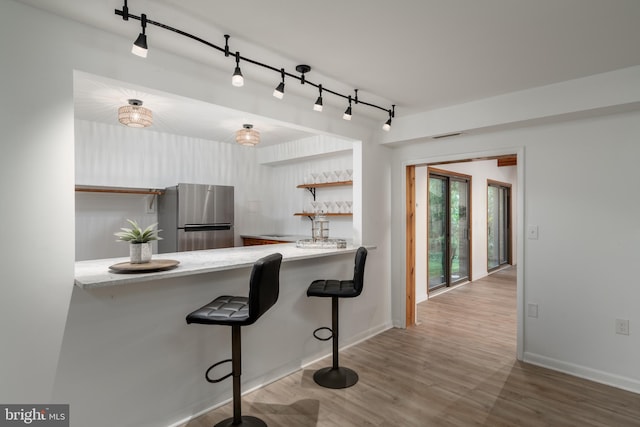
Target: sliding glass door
{"type": "Point", "coordinates": [448, 229]}
{"type": "Point", "coordinates": [498, 224]}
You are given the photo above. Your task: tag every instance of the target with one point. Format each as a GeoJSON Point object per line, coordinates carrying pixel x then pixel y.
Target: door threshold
{"type": "Point", "coordinates": [445, 290]}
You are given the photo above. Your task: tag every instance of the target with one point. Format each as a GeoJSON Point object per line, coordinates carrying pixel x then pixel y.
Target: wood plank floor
{"type": "Point", "coordinates": [456, 368]}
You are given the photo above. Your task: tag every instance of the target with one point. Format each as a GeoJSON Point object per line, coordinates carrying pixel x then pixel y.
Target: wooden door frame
{"type": "Point", "coordinates": [410, 219]}
{"type": "Point", "coordinates": [410, 233]}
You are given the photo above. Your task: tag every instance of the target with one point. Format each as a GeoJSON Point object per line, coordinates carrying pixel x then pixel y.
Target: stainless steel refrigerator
{"type": "Point", "coordinates": [194, 217]}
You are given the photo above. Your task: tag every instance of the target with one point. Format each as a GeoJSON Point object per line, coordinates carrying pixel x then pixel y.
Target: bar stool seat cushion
{"type": "Point", "coordinates": [332, 288]}
{"type": "Point", "coordinates": [264, 288]}
{"type": "Point", "coordinates": [224, 310]}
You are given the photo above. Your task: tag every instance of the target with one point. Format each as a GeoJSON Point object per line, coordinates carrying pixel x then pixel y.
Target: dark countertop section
{"type": "Point", "coordinates": [277, 236]}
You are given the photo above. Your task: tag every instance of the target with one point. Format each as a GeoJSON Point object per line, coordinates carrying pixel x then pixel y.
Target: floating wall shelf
{"type": "Point", "coordinates": [326, 184]}
{"type": "Point", "coordinates": [118, 190]}
{"type": "Point", "coordinates": [312, 190]}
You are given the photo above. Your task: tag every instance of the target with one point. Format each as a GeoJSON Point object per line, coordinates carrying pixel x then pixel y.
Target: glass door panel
{"type": "Point", "coordinates": [459, 235]}
{"type": "Point", "coordinates": [493, 227]}
{"type": "Point", "coordinates": [498, 223]}
{"type": "Point", "coordinates": [449, 248]}
{"type": "Point", "coordinates": [437, 231]}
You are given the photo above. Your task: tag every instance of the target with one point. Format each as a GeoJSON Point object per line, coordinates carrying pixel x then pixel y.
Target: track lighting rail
{"type": "Point", "coordinates": [302, 69]}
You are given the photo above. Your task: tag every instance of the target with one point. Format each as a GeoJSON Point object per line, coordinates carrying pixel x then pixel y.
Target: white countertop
{"type": "Point", "coordinates": [96, 273]}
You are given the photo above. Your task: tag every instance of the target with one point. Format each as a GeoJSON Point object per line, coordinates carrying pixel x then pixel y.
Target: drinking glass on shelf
{"type": "Point", "coordinates": [315, 177]}
{"type": "Point", "coordinates": [327, 176]}
{"type": "Point", "coordinates": [315, 206]}
{"type": "Point", "coordinates": [328, 206]}
{"type": "Point", "coordinates": [336, 176]}
{"type": "Point", "coordinates": [309, 207]}
{"type": "Point", "coordinates": [349, 174]}
{"type": "Point", "coordinates": [340, 206]}
{"type": "Point", "coordinates": [349, 204]}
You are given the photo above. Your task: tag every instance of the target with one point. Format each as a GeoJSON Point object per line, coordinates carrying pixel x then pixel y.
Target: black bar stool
{"type": "Point", "coordinates": [264, 288]}
{"type": "Point", "coordinates": [336, 376]}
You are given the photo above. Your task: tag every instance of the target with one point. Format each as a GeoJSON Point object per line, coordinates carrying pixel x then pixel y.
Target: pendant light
{"type": "Point", "coordinates": [247, 136]}
{"type": "Point", "coordinates": [135, 115]}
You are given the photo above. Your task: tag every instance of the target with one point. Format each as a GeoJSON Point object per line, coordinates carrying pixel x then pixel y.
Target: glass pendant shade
{"type": "Point", "coordinates": [135, 115]}
{"type": "Point", "coordinates": [247, 136]}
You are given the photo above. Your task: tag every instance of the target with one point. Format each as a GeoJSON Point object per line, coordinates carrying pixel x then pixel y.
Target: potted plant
{"type": "Point", "coordinates": [139, 241]}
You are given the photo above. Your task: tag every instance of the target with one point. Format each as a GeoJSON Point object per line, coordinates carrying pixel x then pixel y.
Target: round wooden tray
{"type": "Point", "coordinates": [153, 265]}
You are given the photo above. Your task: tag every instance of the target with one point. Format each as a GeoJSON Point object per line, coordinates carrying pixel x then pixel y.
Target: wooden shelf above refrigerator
{"type": "Point", "coordinates": [117, 190]}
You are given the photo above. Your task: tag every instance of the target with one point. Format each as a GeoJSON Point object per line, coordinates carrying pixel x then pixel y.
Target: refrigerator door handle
{"type": "Point", "coordinates": [206, 227]}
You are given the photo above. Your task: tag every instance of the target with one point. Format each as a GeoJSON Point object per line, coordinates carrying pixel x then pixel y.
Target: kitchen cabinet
{"type": "Point", "coordinates": [253, 241]}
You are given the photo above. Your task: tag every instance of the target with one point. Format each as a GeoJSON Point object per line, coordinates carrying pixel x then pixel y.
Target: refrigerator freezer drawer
{"type": "Point", "coordinates": [196, 239]}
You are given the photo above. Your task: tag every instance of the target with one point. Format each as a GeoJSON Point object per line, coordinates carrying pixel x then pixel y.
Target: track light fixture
{"type": "Point", "coordinates": [303, 69]}
{"type": "Point", "coordinates": [387, 126]}
{"type": "Point", "coordinates": [318, 105]}
{"type": "Point", "coordinates": [237, 80]}
{"type": "Point", "coordinates": [140, 48]}
{"type": "Point", "coordinates": [279, 91]}
{"type": "Point", "coordinates": [347, 112]}
{"type": "Point", "coordinates": [140, 45]}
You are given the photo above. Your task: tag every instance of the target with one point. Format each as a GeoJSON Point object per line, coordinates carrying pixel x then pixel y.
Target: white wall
{"type": "Point", "coordinates": [481, 171]}
{"type": "Point", "coordinates": [37, 166]}
{"type": "Point", "coordinates": [578, 178]}
{"type": "Point", "coordinates": [266, 196]}
{"type": "Point", "coordinates": [421, 239]}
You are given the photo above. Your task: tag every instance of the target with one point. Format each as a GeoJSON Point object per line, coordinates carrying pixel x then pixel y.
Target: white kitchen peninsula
{"type": "Point", "coordinates": [127, 332]}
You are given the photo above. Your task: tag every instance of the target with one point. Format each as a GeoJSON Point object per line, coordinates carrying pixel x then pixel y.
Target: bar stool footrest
{"type": "Point", "coordinates": [217, 380]}
{"type": "Point", "coordinates": [315, 333]}
{"type": "Point", "coordinates": [335, 377]}
{"type": "Point", "coordinates": [247, 421]}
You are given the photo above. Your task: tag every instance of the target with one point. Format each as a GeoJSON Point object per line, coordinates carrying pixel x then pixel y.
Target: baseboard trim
{"type": "Point", "coordinates": [580, 371]}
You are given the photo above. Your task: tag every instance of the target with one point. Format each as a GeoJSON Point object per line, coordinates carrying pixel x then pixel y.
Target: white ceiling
{"type": "Point", "coordinates": [418, 54]}
{"type": "Point", "coordinates": [97, 99]}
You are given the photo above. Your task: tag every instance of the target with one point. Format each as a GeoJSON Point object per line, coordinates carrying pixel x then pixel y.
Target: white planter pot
{"type": "Point", "coordinates": [140, 252]}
